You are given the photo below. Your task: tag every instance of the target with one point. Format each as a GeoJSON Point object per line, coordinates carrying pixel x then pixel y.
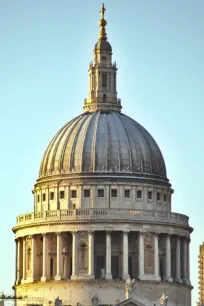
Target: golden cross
{"type": "Point", "coordinates": [102, 11]}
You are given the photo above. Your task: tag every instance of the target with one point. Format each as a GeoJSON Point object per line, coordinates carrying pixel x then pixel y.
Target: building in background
{"type": "Point", "coordinates": [201, 274]}
{"type": "Point", "coordinates": [102, 211]}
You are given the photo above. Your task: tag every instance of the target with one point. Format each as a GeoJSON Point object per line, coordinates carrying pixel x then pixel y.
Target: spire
{"type": "Point", "coordinates": [102, 23]}
{"type": "Point", "coordinates": [102, 94]}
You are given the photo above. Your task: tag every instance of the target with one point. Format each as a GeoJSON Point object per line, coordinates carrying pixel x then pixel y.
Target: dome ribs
{"type": "Point", "coordinates": [113, 155]}
{"type": "Point", "coordinates": [93, 155]}
{"type": "Point", "coordinates": [73, 139]}
{"type": "Point", "coordinates": [146, 156]}
{"type": "Point", "coordinates": [62, 157]}
{"type": "Point", "coordinates": [99, 144]}
{"type": "Point", "coordinates": [136, 141]}
{"type": "Point", "coordinates": [55, 164]}
{"type": "Point", "coordinates": [47, 167]}
{"type": "Point", "coordinates": [86, 161]}
{"type": "Point", "coordinates": [103, 142]}
{"type": "Point", "coordinates": [77, 158]}
{"type": "Point", "coordinates": [118, 116]}
{"type": "Point", "coordinates": [155, 158]}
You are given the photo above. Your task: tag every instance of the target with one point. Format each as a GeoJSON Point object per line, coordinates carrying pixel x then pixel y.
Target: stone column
{"type": "Point", "coordinates": [188, 262]}
{"type": "Point", "coordinates": [156, 258]}
{"type": "Point", "coordinates": [168, 259]}
{"type": "Point", "coordinates": [108, 255]}
{"type": "Point", "coordinates": [18, 261]}
{"type": "Point", "coordinates": [178, 260]}
{"type": "Point", "coordinates": [91, 254]}
{"type": "Point", "coordinates": [24, 260]}
{"type": "Point", "coordinates": [125, 256]}
{"type": "Point", "coordinates": [44, 259]}
{"type": "Point", "coordinates": [32, 278]}
{"type": "Point", "coordinates": [59, 257]}
{"type": "Point", "coordinates": [185, 261]}
{"type": "Point", "coordinates": [141, 256]}
{"type": "Point", "coordinates": [74, 255]}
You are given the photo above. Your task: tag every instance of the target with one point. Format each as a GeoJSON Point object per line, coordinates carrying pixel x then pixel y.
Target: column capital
{"type": "Point", "coordinates": [58, 233]}
{"type": "Point", "coordinates": [126, 232]}
{"type": "Point", "coordinates": [33, 235]}
{"type": "Point", "coordinates": [44, 234]}
{"type": "Point", "coordinates": [108, 231]}
{"type": "Point", "coordinates": [91, 232]}
{"type": "Point", "coordinates": [142, 233]}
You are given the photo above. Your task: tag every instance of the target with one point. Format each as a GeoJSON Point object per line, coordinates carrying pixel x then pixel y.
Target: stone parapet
{"type": "Point", "coordinates": [100, 214]}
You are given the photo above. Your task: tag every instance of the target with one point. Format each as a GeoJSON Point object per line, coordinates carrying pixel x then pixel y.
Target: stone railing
{"type": "Point", "coordinates": [102, 214]}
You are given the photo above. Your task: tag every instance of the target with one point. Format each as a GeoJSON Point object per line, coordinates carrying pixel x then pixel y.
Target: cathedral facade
{"type": "Point", "coordinates": [102, 211]}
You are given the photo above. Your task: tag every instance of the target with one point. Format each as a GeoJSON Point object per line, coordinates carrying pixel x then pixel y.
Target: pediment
{"type": "Point", "coordinates": [129, 302]}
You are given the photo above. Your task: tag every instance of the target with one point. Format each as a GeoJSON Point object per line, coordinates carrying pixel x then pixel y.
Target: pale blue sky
{"type": "Point", "coordinates": [46, 47]}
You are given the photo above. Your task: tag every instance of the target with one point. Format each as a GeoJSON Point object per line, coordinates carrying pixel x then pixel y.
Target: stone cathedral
{"type": "Point", "coordinates": [102, 231]}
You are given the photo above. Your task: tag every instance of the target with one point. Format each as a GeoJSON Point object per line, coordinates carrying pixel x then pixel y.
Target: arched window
{"type": "Point", "coordinates": [104, 79]}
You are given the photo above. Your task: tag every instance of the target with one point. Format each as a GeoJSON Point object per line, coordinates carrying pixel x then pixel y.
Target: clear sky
{"type": "Point", "coordinates": [46, 47]}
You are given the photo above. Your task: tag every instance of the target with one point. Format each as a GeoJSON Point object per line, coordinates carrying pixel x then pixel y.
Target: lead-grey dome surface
{"type": "Point", "coordinates": [103, 142]}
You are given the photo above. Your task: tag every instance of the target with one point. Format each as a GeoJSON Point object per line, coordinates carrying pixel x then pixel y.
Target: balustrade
{"type": "Point", "coordinates": [98, 214]}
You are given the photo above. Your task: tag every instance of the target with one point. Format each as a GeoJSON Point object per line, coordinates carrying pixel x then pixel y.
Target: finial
{"type": "Point", "coordinates": [102, 23]}
{"type": "Point", "coordinates": [102, 11]}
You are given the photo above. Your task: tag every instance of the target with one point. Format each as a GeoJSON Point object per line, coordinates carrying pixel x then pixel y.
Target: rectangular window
{"type": "Point", "coordinates": [165, 197]}
{"type": "Point", "coordinates": [127, 193]}
{"type": "Point", "coordinates": [44, 197]}
{"type": "Point", "coordinates": [52, 195]}
{"type": "Point", "coordinates": [158, 196]}
{"type": "Point", "coordinates": [87, 193]}
{"type": "Point", "coordinates": [101, 193]}
{"type": "Point", "coordinates": [61, 194]}
{"type": "Point", "coordinates": [38, 198]}
{"type": "Point", "coordinates": [149, 195]}
{"type": "Point", "coordinates": [73, 193]}
{"type": "Point", "coordinates": [139, 194]}
{"type": "Point", "coordinates": [114, 193]}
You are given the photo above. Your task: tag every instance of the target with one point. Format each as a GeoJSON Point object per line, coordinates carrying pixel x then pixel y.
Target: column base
{"type": "Point", "coordinates": [150, 277]}
{"type": "Point", "coordinates": [43, 279]}
{"type": "Point", "coordinates": [186, 281]}
{"type": "Point", "coordinates": [17, 282]}
{"type": "Point", "coordinates": [74, 277]}
{"type": "Point", "coordinates": [169, 279]}
{"type": "Point", "coordinates": [141, 277]}
{"type": "Point", "coordinates": [157, 278]}
{"type": "Point", "coordinates": [108, 276]}
{"type": "Point", "coordinates": [91, 276]}
{"type": "Point", "coordinates": [179, 280]}
{"type": "Point", "coordinates": [58, 278]}
{"type": "Point", "coordinates": [126, 276]}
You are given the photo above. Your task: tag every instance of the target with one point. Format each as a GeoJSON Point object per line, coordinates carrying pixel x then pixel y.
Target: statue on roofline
{"type": "Point", "coordinates": [129, 286]}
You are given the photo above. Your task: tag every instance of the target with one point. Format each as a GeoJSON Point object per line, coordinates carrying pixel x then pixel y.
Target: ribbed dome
{"type": "Point", "coordinates": [105, 143]}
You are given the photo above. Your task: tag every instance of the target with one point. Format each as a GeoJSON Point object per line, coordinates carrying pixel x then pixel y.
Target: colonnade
{"type": "Point", "coordinates": [21, 265]}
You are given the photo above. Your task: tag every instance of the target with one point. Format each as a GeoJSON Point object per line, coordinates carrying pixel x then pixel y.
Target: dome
{"type": "Point", "coordinates": [103, 143]}
{"type": "Point", "coordinates": [103, 45]}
